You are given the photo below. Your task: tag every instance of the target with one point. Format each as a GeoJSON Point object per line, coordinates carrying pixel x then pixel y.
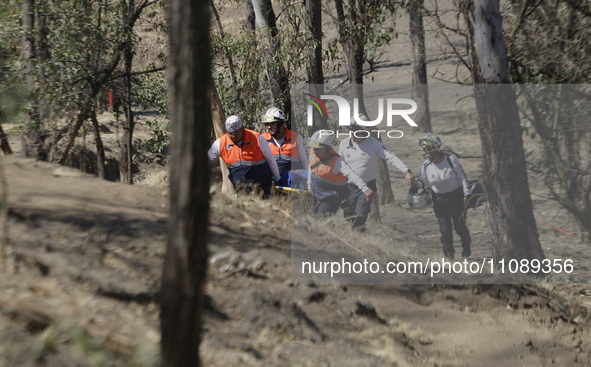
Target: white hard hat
{"type": "Point", "coordinates": [321, 139]}
{"type": "Point", "coordinates": [418, 200]}
{"type": "Point", "coordinates": [274, 114]}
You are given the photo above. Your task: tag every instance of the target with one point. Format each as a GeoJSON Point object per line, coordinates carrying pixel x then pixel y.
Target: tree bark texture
{"type": "Point", "coordinates": [315, 74]}
{"type": "Point", "coordinates": [125, 154]}
{"type": "Point", "coordinates": [218, 118]}
{"type": "Point", "coordinates": [32, 137]}
{"type": "Point", "coordinates": [4, 145]}
{"type": "Point", "coordinates": [100, 150]}
{"type": "Point", "coordinates": [420, 91]}
{"type": "Point", "coordinates": [514, 231]}
{"type": "Point", "coordinates": [185, 264]}
{"type": "Point", "coordinates": [276, 74]}
{"type": "Point", "coordinates": [229, 58]}
{"type": "Point", "coordinates": [353, 45]}
{"type": "Point", "coordinates": [467, 10]}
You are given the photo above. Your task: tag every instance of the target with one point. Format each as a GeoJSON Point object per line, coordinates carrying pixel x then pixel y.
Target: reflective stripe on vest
{"type": "Point", "coordinates": [247, 154]}
{"type": "Point", "coordinates": [288, 150]}
{"type": "Point", "coordinates": [324, 171]}
{"type": "Point", "coordinates": [285, 157]}
{"type": "Point", "coordinates": [339, 183]}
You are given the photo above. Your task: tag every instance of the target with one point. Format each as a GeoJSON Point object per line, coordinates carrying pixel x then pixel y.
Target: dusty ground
{"type": "Point", "coordinates": [89, 253]}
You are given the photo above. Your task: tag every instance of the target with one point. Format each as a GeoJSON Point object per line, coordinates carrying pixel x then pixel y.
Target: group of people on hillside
{"type": "Point", "coordinates": [345, 179]}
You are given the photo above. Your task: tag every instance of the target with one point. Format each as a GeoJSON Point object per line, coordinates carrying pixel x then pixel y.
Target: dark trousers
{"type": "Point", "coordinates": [327, 206]}
{"type": "Point", "coordinates": [359, 203]}
{"type": "Point", "coordinates": [450, 207]}
{"type": "Point", "coordinates": [249, 178]}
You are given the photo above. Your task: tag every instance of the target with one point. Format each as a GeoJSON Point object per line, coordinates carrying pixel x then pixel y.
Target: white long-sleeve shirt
{"type": "Point", "coordinates": [340, 166]}
{"type": "Point", "coordinates": [363, 157]}
{"type": "Point", "coordinates": [443, 177]}
{"type": "Point", "coordinates": [214, 153]}
{"type": "Point", "coordinates": [302, 151]}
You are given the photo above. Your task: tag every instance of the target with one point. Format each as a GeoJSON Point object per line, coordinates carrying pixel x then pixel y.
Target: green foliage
{"type": "Point", "coordinates": [159, 140]}
{"type": "Point", "coordinates": [250, 96]}
{"type": "Point", "coordinates": [152, 89]}
{"type": "Point", "coordinates": [245, 99]}
{"type": "Point", "coordinates": [74, 42]}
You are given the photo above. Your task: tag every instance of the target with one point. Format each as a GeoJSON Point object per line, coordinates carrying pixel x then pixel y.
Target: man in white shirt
{"type": "Point", "coordinates": [361, 152]}
{"type": "Point", "coordinates": [248, 156]}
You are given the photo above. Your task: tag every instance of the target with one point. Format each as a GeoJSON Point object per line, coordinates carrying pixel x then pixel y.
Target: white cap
{"type": "Point", "coordinates": [233, 123]}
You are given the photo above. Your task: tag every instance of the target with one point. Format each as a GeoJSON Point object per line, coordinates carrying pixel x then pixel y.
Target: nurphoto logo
{"type": "Point", "coordinates": [345, 114]}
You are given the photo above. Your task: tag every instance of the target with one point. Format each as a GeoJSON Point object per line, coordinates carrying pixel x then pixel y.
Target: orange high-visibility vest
{"type": "Point", "coordinates": [288, 149]}
{"type": "Point", "coordinates": [324, 170]}
{"type": "Point", "coordinates": [247, 154]}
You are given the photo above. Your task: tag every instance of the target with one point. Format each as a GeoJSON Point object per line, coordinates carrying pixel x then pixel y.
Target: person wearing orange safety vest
{"type": "Point", "coordinates": [247, 155]}
{"type": "Point", "coordinates": [288, 147]}
{"type": "Point", "coordinates": [328, 174]}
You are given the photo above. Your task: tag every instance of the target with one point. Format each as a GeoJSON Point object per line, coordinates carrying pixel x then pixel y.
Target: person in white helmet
{"type": "Point", "coordinates": [362, 152]}
{"type": "Point", "coordinates": [288, 147]}
{"type": "Point", "coordinates": [449, 185]}
{"type": "Point", "coordinates": [328, 175]}
{"type": "Point", "coordinates": [247, 155]}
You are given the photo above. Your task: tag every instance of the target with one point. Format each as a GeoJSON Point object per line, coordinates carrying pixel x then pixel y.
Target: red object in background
{"type": "Point", "coordinates": [111, 98]}
{"type": "Point", "coordinates": [560, 230]}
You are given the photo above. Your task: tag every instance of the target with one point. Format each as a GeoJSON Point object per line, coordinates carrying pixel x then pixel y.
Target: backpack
{"type": "Point", "coordinates": [476, 197]}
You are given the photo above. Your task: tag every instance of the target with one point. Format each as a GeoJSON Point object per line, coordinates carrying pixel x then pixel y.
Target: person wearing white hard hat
{"type": "Point", "coordinates": [328, 175]}
{"type": "Point", "coordinates": [288, 147]}
{"type": "Point", "coordinates": [247, 155]}
{"type": "Point", "coordinates": [362, 152]}
{"type": "Point", "coordinates": [449, 185]}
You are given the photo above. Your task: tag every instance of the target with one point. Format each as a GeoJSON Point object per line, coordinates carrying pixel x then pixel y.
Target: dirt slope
{"type": "Point", "coordinates": [89, 255]}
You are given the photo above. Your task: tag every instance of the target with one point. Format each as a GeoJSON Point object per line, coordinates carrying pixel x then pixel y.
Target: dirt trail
{"type": "Point", "coordinates": [89, 255]}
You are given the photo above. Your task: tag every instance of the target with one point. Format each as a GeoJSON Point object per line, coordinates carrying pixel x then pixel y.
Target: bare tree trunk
{"type": "Point", "coordinates": [218, 118]}
{"type": "Point", "coordinates": [4, 142]}
{"type": "Point", "coordinates": [100, 150]}
{"type": "Point", "coordinates": [253, 88]}
{"type": "Point", "coordinates": [229, 58]}
{"type": "Point", "coordinates": [315, 74]}
{"type": "Point", "coordinates": [353, 46]}
{"type": "Point", "coordinates": [250, 17]}
{"type": "Point", "coordinates": [420, 92]}
{"type": "Point", "coordinates": [276, 73]}
{"type": "Point", "coordinates": [515, 235]}
{"type": "Point", "coordinates": [185, 265]}
{"type": "Point", "coordinates": [32, 137]}
{"type": "Point", "coordinates": [467, 10]}
{"type": "Point", "coordinates": [126, 151]}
